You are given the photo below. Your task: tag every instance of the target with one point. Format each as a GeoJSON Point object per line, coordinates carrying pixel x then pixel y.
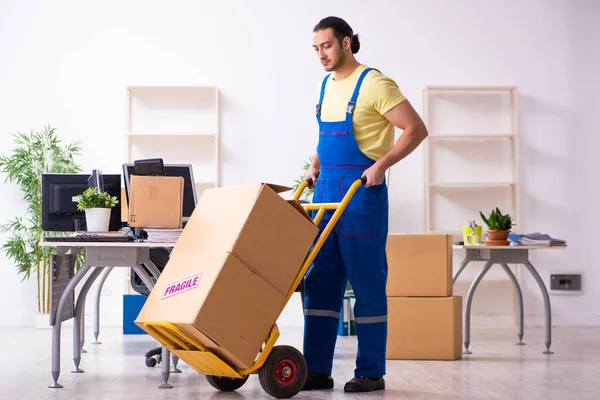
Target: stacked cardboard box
{"type": "Point", "coordinates": [424, 318]}
{"type": "Point", "coordinates": [229, 272]}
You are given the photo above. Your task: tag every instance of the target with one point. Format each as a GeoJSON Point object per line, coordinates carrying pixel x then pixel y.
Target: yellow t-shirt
{"type": "Point", "coordinates": [378, 94]}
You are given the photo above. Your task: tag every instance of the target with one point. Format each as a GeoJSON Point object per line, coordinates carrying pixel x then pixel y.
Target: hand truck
{"type": "Point", "coordinates": [281, 370]}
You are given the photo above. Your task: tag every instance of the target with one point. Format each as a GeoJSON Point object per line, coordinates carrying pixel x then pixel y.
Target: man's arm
{"type": "Point", "coordinates": [406, 118]}
{"type": "Point", "coordinates": [313, 170]}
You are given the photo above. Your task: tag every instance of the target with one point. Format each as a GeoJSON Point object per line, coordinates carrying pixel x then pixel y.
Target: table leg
{"type": "Point", "coordinates": [82, 333]}
{"type": "Point", "coordinates": [463, 265]}
{"type": "Point", "coordinates": [467, 315]}
{"type": "Point", "coordinates": [166, 361]}
{"type": "Point", "coordinates": [520, 327]}
{"type": "Point", "coordinates": [79, 311]}
{"type": "Point", "coordinates": [97, 294]}
{"type": "Point", "coordinates": [56, 328]}
{"type": "Point", "coordinates": [152, 268]}
{"type": "Point", "coordinates": [547, 307]}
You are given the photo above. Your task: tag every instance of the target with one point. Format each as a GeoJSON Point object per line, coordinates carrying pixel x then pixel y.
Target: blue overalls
{"type": "Point", "coordinates": [354, 250]}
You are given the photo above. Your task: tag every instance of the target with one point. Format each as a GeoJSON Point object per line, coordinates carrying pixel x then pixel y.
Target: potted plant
{"type": "Point", "coordinates": [34, 154]}
{"type": "Point", "coordinates": [499, 226]}
{"type": "Point", "coordinates": [308, 192]}
{"type": "Point", "coordinates": [97, 206]}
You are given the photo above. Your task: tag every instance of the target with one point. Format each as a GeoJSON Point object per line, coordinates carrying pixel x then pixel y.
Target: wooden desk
{"type": "Point", "coordinates": [504, 255]}
{"type": "Point", "coordinates": [101, 255]}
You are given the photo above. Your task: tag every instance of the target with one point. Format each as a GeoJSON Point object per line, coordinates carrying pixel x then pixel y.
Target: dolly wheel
{"type": "Point", "coordinates": [225, 384]}
{"type": "Point", "coordinates": [284, 373]}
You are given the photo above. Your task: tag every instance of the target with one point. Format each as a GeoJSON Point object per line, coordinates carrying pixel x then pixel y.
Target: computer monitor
{"type": "Point", "coordinates": [189, 187]}
{"type": "Point", "coordinates": [59, 201]}
{"type": "Point", "coordinates": [96, 180]}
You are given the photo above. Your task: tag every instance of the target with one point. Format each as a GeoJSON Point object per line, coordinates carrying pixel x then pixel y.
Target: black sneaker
{"type": "Point", "coordinates": [318, 381]}
{"type": "Point", "coordinates": [358, 384]}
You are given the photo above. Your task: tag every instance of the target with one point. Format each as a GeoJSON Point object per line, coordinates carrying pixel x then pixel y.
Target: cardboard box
{"type": "Point", "coordinates": [228, 274]}
{"type": "Point", "coordinates": [424, 328]}
{"type": "Point", "coordinates": [419, 265]}
{"type": "Point", "coordinates": [156, 202]}
{"type": "Point", "coordinates": [270, 235]}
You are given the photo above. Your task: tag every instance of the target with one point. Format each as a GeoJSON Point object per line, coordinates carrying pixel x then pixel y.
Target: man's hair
{"type": "Point", "coordinates": [340, 29]}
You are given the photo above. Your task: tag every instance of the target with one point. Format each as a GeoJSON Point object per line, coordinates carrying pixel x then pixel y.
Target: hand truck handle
{"type": "Point", "coordinates": [309, 182]}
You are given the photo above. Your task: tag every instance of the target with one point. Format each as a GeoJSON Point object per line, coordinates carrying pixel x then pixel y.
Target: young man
{"type": "Point", "coordinates": [357, 110]}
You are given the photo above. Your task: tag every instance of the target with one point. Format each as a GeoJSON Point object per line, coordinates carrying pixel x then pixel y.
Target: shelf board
{"type": "Point", "coordinates": [472, 184]}
{"type": "Point", "coordinates": [471, 136]}
{"type": "Point", "coordinates": [192, 87]}
{"type": "Point", "coordinates": [471, 88]}
{"type": "Point", "coordinates": [208, 134]}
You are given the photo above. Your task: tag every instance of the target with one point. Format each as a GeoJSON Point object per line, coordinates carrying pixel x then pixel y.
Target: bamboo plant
{"type": "Point", "coordinates": [34, 154]}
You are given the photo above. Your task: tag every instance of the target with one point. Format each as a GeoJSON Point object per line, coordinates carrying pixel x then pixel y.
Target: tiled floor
{"type": "Point", "coordinates": [497, 369]}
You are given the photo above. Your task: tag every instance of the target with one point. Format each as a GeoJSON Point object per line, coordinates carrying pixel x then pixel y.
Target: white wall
{"type": "Point", "coordinates": [66, 63]}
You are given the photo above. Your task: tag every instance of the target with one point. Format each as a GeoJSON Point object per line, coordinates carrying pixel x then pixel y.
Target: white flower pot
{"type": "Point", "coordinates": [97, 219]}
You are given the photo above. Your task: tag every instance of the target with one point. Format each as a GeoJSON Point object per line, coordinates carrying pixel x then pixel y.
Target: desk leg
{"type": "Point", "coordinates": [548, 310]}
{"type": "Point", "coordinates": [82, 333]}
{"type": "Point", "coordinates": [156, 273]}
{"type": "Point", "coordinates": [57, 325]}
{"type": "Point", "coordinates": [97, 294]}
{"type": "Point", "coordinates": [77, 320]}
{"type": "Point", "coordinates": [463, 265]}
{"type": "Point", "coordinates": [519, 303]}
{"type": "Point", "coordinates": [166, 362]}
{"type": "Point", "coordinates": [467, 316]}
{"type": "Point", "coordinates": [152, 268]}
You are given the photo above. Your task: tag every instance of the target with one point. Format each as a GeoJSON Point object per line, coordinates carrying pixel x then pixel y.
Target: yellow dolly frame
{"type": "Point", "coordinates": [282, 370]}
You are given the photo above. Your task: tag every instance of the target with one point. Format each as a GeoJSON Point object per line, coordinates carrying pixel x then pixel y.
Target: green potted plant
{"type": "Point", "coordinates": [34, 154]}
{"type": "Point", "coordinates": [97, 206]}
{"type": "Point", "coordinates": [499, 227]}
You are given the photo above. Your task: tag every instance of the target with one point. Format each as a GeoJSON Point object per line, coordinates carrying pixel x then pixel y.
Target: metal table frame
{"type": "Point", "coordinates": [104, 256]}
{"type": "Point", "coordinates": [504, 255]}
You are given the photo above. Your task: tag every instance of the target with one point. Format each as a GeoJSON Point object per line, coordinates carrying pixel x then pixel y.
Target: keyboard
{"type": "Point", "coordinates": [92, 237]}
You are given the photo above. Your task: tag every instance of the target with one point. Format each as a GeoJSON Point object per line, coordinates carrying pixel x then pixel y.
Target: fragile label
{"type": "Point", "coordinates": [181, 286]}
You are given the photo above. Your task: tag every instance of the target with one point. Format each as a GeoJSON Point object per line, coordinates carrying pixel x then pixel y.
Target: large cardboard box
{"type": "Point", "coordinates": [227, 276]}
{"type": "Point", "coordinates": [424, 328]}
{"type": "Point", "coordinates": [419, 265]}
{"type": "Point", "coordinates": [270, 235]}
{"type": "Point", "coordinates": [156, 202]}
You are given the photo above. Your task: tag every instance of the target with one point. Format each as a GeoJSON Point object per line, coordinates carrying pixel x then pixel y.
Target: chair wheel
{"type": "Point", "coordinates": [225, 384]}
{"type": "Point", "coordinates": [284, 373]}
{"type": "Point", "coordinates": [150, 362]}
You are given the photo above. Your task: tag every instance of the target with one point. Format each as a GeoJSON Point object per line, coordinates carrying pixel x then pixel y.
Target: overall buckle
{"type": "Point", "coordinates": [350, 108]}
{"type": "Point", "coordinates": [318, 109]}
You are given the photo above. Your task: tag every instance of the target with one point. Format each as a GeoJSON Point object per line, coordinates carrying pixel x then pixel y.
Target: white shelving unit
{"type": "Point", "coordinates": [471, 155]}
{"type": "Point", "coordinates": [179, 124]}
{"type": "Point", "coordinates": [471, 164]}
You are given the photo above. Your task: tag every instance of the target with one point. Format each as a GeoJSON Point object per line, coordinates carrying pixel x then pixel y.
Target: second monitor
{"type": "Point", "coordinates": [189, 187]}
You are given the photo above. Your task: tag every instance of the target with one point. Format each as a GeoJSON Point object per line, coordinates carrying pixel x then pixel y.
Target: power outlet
{"type": "Point", "coordinates": [565, 283]}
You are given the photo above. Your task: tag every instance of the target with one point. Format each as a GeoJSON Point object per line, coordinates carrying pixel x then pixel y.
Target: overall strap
{"type": "Point", "coordinates": [321, 97]}
{"type": "Point", "coordinates": [352, 101]}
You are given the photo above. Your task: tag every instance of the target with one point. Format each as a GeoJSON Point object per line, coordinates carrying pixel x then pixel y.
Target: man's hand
{"type": "Point", "coordinates": [312, 173]}
{"type": "Point", "coordinates": [374, 175]}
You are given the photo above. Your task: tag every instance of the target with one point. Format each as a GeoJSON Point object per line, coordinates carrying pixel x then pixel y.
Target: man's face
{"type": "Point", "coordinates": [328, 49]}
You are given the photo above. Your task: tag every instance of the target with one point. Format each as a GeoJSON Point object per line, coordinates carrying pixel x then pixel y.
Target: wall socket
{"type": "Point", "coordinates": [565, 283]}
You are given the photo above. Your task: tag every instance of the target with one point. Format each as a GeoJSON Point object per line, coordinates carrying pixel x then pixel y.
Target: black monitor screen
{"type": "Point", "coordinates": [183, 170]}
{"type": "Point", "coordinates": [59, 201]}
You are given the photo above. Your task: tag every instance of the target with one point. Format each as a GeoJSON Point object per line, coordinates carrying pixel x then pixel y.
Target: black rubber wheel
{"type": "Point", "coordinates": [226, 384]}
{"type": "Point", "coordinates": [150, 362]}
{"type": "Point", "coordinates": [284, 373]}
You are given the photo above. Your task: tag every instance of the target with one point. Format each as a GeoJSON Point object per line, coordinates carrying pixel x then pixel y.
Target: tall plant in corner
{"type": "Point", "coordinates": [33, 155]}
